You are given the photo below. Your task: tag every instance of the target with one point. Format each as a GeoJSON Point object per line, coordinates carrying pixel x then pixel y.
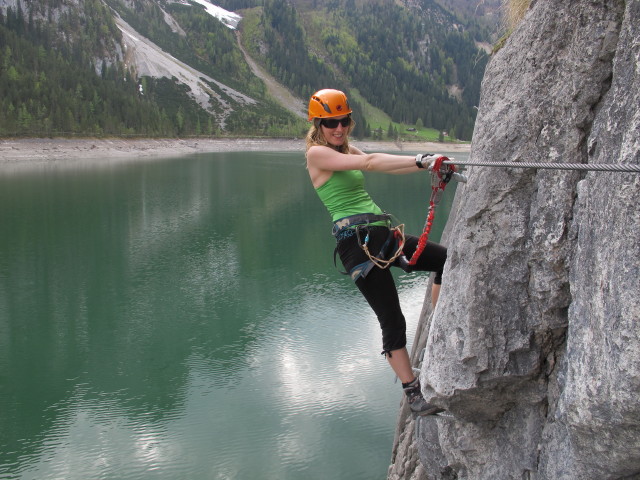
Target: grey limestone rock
{"type": "Point", "coordinates": [534, 346]}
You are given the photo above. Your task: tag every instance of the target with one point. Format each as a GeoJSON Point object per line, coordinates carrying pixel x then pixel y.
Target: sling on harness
{"type": "Point", "coordinates": [395, 233]}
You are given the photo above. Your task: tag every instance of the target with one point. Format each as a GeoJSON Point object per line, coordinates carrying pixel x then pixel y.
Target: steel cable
{"type": "Point", "coordinates": [596, 167]}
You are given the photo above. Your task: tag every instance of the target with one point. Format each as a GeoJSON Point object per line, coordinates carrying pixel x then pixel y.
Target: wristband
{"type": "Point", "coordinates": [419, 161]}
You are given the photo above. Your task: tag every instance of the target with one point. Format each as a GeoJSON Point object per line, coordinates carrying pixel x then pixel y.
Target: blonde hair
{"type": "Point", "coordinates": [315, 137]}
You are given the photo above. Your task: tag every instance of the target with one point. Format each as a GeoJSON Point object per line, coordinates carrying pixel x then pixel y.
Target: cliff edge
{"type": "Point", "coordinates": [534, 347]}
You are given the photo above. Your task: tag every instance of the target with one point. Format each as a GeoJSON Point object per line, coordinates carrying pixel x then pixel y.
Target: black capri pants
{"type": "Point", "coordinates": [378, 286]}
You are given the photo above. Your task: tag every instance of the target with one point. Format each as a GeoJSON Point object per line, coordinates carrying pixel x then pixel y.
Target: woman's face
{"type": "Point", "coordinates": [337, 135]}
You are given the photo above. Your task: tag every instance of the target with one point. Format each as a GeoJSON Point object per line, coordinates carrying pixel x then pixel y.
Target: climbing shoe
{"type": "Point", "coordinates": [417, 403]}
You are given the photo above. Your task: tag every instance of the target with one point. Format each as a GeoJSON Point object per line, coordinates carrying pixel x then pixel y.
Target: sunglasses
{"type": "Point", "coordinates": [333, 123]}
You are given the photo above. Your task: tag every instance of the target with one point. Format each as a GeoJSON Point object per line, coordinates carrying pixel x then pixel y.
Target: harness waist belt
{"type": "Point", "coordinates": [360, 219]}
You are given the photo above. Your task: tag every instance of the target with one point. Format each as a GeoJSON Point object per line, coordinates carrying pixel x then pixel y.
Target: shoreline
{"type": "Point", "coordinates": [54, 150]}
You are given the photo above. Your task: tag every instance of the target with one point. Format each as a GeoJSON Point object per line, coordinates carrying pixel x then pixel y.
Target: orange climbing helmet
{"type": "Point", "coordinates": [328, 103]}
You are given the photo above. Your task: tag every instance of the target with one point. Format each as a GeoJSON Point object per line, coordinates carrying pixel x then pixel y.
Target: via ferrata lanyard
{"type": "Point", "coordinates": [441, 174]}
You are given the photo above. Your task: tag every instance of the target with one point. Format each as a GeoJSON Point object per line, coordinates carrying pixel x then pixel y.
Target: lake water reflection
{"type": "Point", "coordinates": [182, 318]}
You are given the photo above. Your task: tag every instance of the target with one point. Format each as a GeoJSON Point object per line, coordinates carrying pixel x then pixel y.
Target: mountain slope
{"type": "Point", "coordinates": [276, 90]}
{"type": "Point", "coordinates": [164, 67]}
{"type": "Point", "coordinates": [151, 61]}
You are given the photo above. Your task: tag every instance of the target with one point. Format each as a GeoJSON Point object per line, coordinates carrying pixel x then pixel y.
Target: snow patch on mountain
{"type": "Point", "coordinates": [230, 19]}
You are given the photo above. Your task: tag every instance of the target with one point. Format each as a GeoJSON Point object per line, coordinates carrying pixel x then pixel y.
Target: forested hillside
{"type": "Point", "coordinates": [68, 69]}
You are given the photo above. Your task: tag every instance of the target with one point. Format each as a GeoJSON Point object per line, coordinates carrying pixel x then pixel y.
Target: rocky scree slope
{"type": "Point", "coordinates": [534, 347]}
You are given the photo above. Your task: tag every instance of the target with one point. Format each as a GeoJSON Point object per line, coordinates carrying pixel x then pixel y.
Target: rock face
{"type": "Point", "coordinates": [534, 347]}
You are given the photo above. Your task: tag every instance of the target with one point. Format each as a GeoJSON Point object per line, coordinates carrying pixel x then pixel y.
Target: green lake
{"type": "Point", "coordinates": [182, 318]}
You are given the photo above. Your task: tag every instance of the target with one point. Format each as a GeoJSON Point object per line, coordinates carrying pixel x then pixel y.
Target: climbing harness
{"type": "Point", "coordinates": [360, 225]}
{"type": "Point", "coordinates": [361, 219]}
{"type": "Point", "coordinates": [442, 172]}
{"type": "Point", "coordinates": [596, 167]}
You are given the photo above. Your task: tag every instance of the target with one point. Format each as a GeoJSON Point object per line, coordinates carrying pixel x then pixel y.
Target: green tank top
{"type": "Point", "coordinates": [344, 195]}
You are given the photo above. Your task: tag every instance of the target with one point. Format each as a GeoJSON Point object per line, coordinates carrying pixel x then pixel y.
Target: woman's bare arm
{"type": "Point", "coordinates": [327, 159]}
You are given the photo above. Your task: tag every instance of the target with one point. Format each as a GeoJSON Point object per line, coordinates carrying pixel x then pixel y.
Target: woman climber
{"type": "Point", "coordinates": [366, 242]}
